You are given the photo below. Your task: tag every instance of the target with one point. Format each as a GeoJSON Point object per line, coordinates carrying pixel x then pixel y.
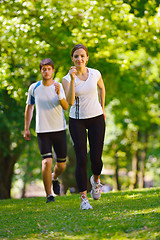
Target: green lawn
{"type": "Point", "coordinates": [117, 215]}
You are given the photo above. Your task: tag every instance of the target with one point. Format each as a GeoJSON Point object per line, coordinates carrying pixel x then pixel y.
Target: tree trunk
{"type": "Point", "coordinates": [23, 190]}
{"type": "Point", "coordinates": [142, 163]}
{"type": "Point", "coordinates": [117, 184]}
{"type": "Point", "coordinates": [6, 173]}
{"type": "Point", "coordinates": [141, 173]}
{"type": "Point", "coordinates": [11, 140]}
{"type": "Point", "coordinates": [134, 170]}
{"type": "Point", "coordinates": [7, 163]}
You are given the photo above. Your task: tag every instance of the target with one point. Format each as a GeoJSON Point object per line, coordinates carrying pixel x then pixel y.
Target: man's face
{"type": "Point", "coordinates": [47, 72]}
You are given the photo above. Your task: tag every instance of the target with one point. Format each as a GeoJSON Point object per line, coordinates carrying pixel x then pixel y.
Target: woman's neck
{"type": "Point", "coordinates": [82, 74]}
{"type": "Point", "coordinates": [81, 71]}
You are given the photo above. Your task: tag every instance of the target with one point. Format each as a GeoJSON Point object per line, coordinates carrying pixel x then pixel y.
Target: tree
{"type": "Point", "coordinates": [123, 45]}
{"type": "Point", "coordinates": [10, 141]}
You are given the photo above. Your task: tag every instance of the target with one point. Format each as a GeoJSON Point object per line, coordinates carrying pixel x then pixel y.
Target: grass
{"type": "Point", "coordinates": [117, 216]}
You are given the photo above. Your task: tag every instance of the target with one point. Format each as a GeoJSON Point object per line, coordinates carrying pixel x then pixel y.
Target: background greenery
{"type": "Point", "coordinates": [123, 39]}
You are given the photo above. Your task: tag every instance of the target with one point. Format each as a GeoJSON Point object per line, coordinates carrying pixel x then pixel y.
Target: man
{"type": "Point", "coordinates": [49, 98]}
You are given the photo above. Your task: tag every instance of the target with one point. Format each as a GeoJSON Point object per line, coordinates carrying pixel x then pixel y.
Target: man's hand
{"type": "Point", "coordinates": [27, 135]}
{"type": "Point", "coordinates": [57, 87]}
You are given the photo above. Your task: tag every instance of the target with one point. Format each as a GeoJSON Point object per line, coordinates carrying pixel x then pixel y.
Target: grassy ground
{"type": "Point", "coordinates": [117, 215]}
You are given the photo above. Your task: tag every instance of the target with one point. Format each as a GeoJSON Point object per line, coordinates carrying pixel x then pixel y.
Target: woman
{"type": "Point", "coordinates": [86, 113]}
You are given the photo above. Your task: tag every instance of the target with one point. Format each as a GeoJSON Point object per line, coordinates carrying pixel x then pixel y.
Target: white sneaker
{"type": "Point", "coordinates": [85, 204]}
{"type": "Point", "coordinates": [96, 189]}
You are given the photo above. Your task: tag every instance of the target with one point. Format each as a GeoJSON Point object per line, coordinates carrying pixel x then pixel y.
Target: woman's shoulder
{"type": "Point", "coordinates": [95, 72]}
{"type": "Point", "coordinates": [67, 77]}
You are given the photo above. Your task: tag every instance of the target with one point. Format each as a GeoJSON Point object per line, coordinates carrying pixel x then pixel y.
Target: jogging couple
{"type": "Point", "coordinates": [86, 118]}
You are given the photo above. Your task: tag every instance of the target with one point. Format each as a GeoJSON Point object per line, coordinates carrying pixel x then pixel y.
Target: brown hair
{"type": "Point", "coordinates": [78, 46]}
{"type": "Point", "coordinates": [46, 61]}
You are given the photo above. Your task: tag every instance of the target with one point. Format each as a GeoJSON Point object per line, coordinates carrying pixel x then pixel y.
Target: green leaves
{"type": "Point", "coordinates": [123, 39]}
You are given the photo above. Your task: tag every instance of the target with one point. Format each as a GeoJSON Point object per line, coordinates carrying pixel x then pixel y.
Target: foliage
{"type": "Point", "coordinates": [123, 39]}
{"type": "Point", "coordinates": [117, 215]}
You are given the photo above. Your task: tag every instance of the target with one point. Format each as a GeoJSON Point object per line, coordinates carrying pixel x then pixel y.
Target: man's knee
{"type": "Point", "coordinates": [47, 163]}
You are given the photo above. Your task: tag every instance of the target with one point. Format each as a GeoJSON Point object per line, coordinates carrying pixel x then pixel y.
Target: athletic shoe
{"type": "Point", "coordinates": [96, 189]}
{"type": "Point", "coordinates": [50, 199]}
{"type": "Point", "coordinates": [85, 205]}
{"type": "Point", "coordinates": [56, 187]}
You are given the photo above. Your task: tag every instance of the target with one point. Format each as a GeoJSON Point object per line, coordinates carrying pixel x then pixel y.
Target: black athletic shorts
{"type": "Point", "coordinates": [57, 140]}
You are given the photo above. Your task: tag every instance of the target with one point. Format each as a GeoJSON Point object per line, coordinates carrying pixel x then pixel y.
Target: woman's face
{"type": "Point", "coordinates": [80, 58]}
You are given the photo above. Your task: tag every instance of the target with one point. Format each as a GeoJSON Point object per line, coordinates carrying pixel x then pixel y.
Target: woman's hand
{"type": "Point", "coordinates": [72, 72]}
{"type": "Point", "coordinates": [104, 114]}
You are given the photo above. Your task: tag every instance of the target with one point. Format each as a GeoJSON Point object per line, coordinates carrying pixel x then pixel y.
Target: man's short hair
{"type": "Point", "coordinates": [46, 61]}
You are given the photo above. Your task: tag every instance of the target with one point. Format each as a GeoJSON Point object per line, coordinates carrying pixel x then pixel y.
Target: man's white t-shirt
{"type": "Point", "coordinates": [49, 112]}
{"type": "Point", "coordinates": [86, 104]}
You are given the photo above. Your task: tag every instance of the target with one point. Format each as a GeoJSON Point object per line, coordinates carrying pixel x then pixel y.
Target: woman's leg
{"type": "Point", "coordinates": [96, 133]}
{"type": "Point", "coordinates": [79, 137]}
{"type": "Point", "coordinates": [96, 138]}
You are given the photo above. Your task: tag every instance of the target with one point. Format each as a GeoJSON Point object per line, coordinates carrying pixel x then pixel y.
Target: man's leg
{"type": "Point", "coordinates": [46, 175]}
{"type": "Point", "coordinates": [58, 169]}
{"type": "Point", "coordinates": [45, 147]}
{"type": "Point", "coordinates": [60, 153]}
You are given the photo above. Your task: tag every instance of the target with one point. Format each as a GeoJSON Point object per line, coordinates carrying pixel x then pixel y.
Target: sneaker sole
{"type": "Point", "coordinates": [85, 208]}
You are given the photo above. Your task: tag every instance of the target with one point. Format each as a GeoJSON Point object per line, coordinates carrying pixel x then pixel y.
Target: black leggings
{"type": "Point", "coordinates": [96, 130]}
